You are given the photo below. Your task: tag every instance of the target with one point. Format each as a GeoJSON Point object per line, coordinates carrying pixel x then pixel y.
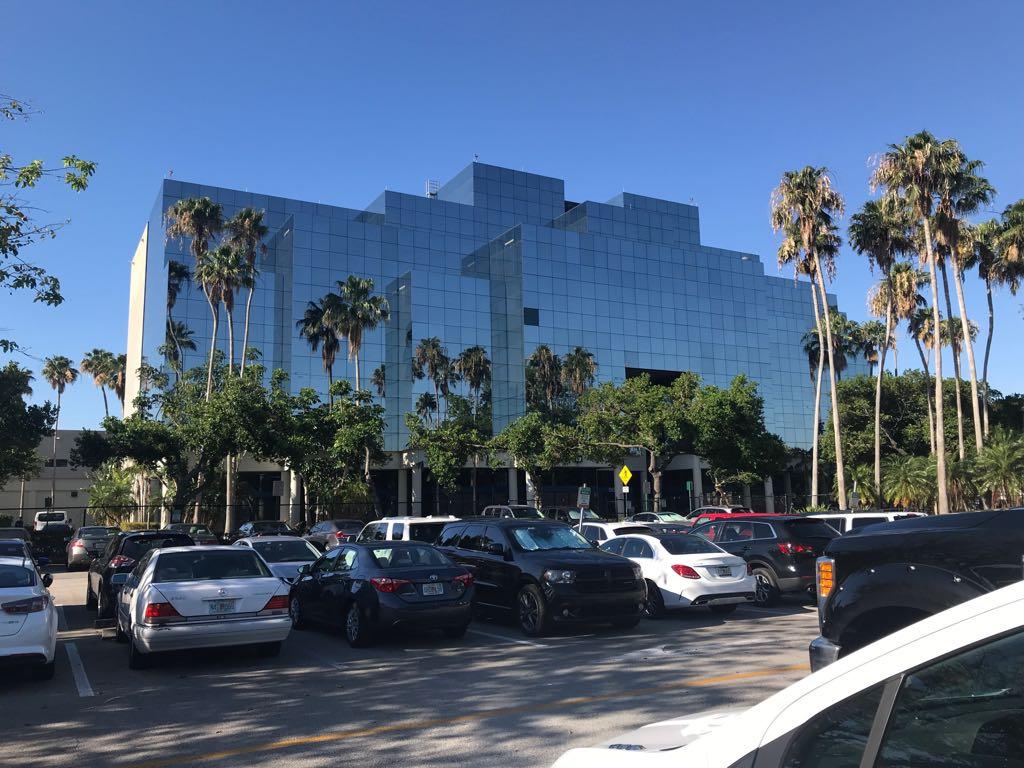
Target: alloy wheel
{"type": "Point", "coordinates": [529, 611]}
{"type": "Point", "coordinates": [352, 624]}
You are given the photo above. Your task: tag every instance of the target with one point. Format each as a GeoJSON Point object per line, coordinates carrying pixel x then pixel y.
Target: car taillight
{"type": "Point", "coordinates": [31, 605]}
{"type": "Point", "coordinates": [342, 536]}
{"type": "Point", "coordinates": [826, 576]}
{"type": "Point", "coordinates": [465, 579]}
{"type": "Point", "coordinates": [685, 571]}
{"type": "Point", "coordinates": [388, 585]}
{"type": "Point", "coordinates": [278, 604]}
{"type": "Point", "coordinates": [157, 613]}
{"type": "Point", "coordinates": [77, 543]}
{"type": "Point", "coordinates": [789, 548]}
{"type": "Point", "coordinates": [121, 561]}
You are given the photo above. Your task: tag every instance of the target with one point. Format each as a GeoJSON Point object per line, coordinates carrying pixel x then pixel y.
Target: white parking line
{"type": "Point", "coordinates": [78, 671]}
{"type": "Point", "coordinates": [506, 639]}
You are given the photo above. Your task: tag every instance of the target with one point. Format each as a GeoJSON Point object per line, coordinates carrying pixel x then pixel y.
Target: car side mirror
{"type": "Point", "coordinates": [47, 580]}
{"type": "Point", "coordinates": [304, 569]}
{"type": "Point", "coordinates": [118, 580]}
{"type": "Point", "coordinates": [494, 548]}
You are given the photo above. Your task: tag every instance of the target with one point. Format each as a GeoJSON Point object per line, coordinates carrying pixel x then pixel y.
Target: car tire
{"type": "Point", "coordinates": [357, 627]}
{"type": "Point", "coordinates": [269, 650]}
{"type": "Point", "coordinates": [654, 605]}
{"type": "Point", "coordinates": [766, 594]}
{"type": "Point", "coordinates": [103, 610]}
{"type": "Point", "coordinates": [90, 598]}
{"type": "Point", "coordinates": [722, 610]}
{"type": "Point", "coordinates": [44, 671]}
{"type": "Point", "coordinates": [532, 612]}
{"type": "Point", "coordinates": [137, 659]}
{"type": "Point", "coordinates": [454, 633]}
{"type": "Point", "coordinates": [295, 612]}
{"type": "Point", "coordinates": [119, 634]}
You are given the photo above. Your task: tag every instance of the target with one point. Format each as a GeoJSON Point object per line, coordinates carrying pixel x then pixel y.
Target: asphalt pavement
{"type": "Point", "coordinates": [492, 698]}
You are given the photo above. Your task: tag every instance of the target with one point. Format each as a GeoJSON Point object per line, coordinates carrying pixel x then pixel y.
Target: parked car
{"type": "Point", "coordinates": [877, 580]}
{"type": "Point", "coordinates": [327, 534]}
{"type": "Point", "coordinates": [781, 550]}
{"type": "Point", "coordinates": [683, 571]}
{"type": "Point", "coordinates": [844, 522]}
{"type": "Point", "coordinates": [516, 511]}
{"type": "Point", "coordinates": [597, 533]}
{"type": "Point", "coordinates": [260, 528]}
{"type": "Point", "coordinates": [570, 515]}
{"type": "Point", "coordinates": [54, 517]}
{"type": "Point", "coordinates": [21, 548]}
{"type": "Point", "coordinates": [656, 517]}
{"type": "Point", "coordinates": [368, 587]}
{"type": "Point", "coordinates": [15, 532]}
{"type": "Point", "coordinates": [28, 618]}
{"type": "Point", "coordinates": [200, 534]}
{"type": "Point", "coordinates": [543, 572]}
{"type": "Point", "coordinates": [423, 529]}
{"type": "Point", "coordinates": [88, 543]}
{"type": "Point", "coordinates": [666, 527]}
{"type": "Point", "coordinates": [121, 556]}
{"type": "Point", "coordinates": [284, 555]}
{"type": "Point", "coordinates": [719, 509]}
{"type": "Point", "coordinates": [943, 692]}
{"type": "Point", "coordinates": [179, 598]}
{"type": "Point", "coordinates": [707, 517]}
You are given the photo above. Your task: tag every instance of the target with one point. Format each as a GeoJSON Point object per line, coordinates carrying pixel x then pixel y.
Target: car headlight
{"type": "Point", "coordinates": [560, 577]}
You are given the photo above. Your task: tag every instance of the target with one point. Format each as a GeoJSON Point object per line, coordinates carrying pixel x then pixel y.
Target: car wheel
{"type": "Point", "coordinates": [137, 659]}
{"type": "Point", "coordinates": [295, 612]}
{"type": "Point", "coordinates": [103, 610]}
{"type": "Point", "coordinates": [532, 611]}
{"type": "Point", "coordinates": [43, 671]}
{"type": "Point", "coordinates": [119, 634]}
{"type": "Point", "coordinates": [723, 609]}
{"type": "Point", "coordinates": [90, 598]}
{"type": "Point", "coordinates": [357, 628]}
{"type": "Point", "coordinates": [654, 605]}
{"type": "Point", "coordinates": [269, 650]}
{"type": "Point", "coordinates": [454, 633]}
{"type": "Point", "coordinates": [766, 593]}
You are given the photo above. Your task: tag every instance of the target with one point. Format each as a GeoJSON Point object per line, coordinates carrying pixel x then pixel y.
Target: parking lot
{"type": "Point", "coordinates": [492, 698]}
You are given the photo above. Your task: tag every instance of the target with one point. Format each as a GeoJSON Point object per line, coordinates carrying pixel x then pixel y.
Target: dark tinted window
{"type": "Point", "coordinates": [836, 737]}
{"type": "Point", "coordinates": [426, 532]}
{"type": "Point", "coordinates": [397, 531]}
{"type": "Point", "coordinates": [135, 547]}
{"type": "Point", "coordinates": [860, 522]}
{"type": "Point", "coordinates": [473, 537]}
{"type": "Point", "coordinates": [408, 557]}
{"type": "Point", "coordinates": [326, 562]}
{"type": "Point", "coordinates": [687, 545]}
{"type": "Point", "coordinates": [594, 533]}
{"type": "Point", "coordinates": [12, 548]}
{"type": "Point", "coordinates": [450, 535]}
{"type": "Point", "coordinates": [202, 564]}
{"type": "Point", "coordinates": [763, 531]}
{"type": "Point", "coordinates": [12, 576]}
{"type": "Point", "coordinates": [614, 546]}
{"type": "Point", "coordinates": [810, 529]}
{"type": "Point", "coordinates": [637, 548]}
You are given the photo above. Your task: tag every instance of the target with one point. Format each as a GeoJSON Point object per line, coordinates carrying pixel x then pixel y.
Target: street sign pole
{"type": "Point", "coordinates": [582, 502]}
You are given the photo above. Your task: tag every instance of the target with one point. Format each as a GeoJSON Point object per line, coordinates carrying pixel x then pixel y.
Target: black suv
{"type": "Point", "coordinates": [544, 572]}
{"type": "Point", "coordinates": [780, 550]}
{"type": "Point", "coordinates": [120, 556]}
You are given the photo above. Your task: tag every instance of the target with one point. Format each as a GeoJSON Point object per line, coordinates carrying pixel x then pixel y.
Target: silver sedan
{"type": "Point", "coordinates": [284, 555]}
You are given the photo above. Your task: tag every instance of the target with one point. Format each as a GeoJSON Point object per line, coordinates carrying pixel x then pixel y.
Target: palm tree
{"type": "Point", "coordinates": [579, 369]}
{"type": "Point", "coordinates": [379, 379]}
{"type": "Point", "coordinates": [178, 278]}
{"type": "Point", "coordinates": [59, 373]}
{"type": "Point", "coordinates": [908, 481]}
{"type": "Point", "coordinates": [874, 343]}
{"type": "Point", "coordinates": [430, 360]}
{"type": "Point", "coordinates": [235, 274]}
{"type": "Point", "coordinates": [119, 378]}
{"type": "Point", "coordinates": [177, 339]}
{"type": "Point", "coordinates": [475, 369]}
{"type": "Point", "coordinates": [912, 174]}
{"type": "Point", "coordinates": [919, 326]}
{"type": "Point", "coordinates": [806, 204]}
{"type": "Point", "coordinates": [1000, 467]}
{"type": "Point", "coordinates": [209, 274]}
{"type": "Point", "coordinates": [903, 294]}
{"type": "Point", "coordinates": [318, 333]}
{"type": "Point", "coordinates": [353, 311]}
{"type": "Point", "coordinates": [426, 404]}
{"type": "Point", "coordinates": [546, 369]}
{"type": "Point", "coordinates": [99, 364]}
{"type": "Point", "coordinates": [246, 232]}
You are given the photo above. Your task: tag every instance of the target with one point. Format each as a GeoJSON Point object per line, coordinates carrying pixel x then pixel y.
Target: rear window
{"type": "Point", "coordinates": [12, 549]}
{"type": "Point", "coordinates": [12, 576]}
{"type": "Point", "coordinates": [204, 565]}
{"type": "Point", "coordinates": [810, 529]}
{"type": "Point", "coordinates": [427, 532]}
{"type": "Point", "coordinates": [137, 546]}
{"type": "Point", "coordinates": [524, 512]}
{"type": "Point", "coordinates": [408, 557]}
{"type": "Point", "coordinates": [688, 545]}
{"type": "Point", "coordinates": [631, 529]}
{"type": "Point", "coordinates": [97, 532]}
{"type": "Point", "coordinates": [52, 517]}
{"type": "Point", "coordinates": [297, 551]}
{"type": "Point", "coordinates": [270, 525]}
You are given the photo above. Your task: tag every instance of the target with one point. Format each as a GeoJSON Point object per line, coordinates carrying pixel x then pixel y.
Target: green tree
{"type": "Point", "coordinates": [319, 334]}
{"type": "Point", "coordinates": [22, 425]}
{"type": "Point", "coordinates": [19, 227]}
{"type": "Point", "coordinates": [430, 360]}
{"type": "Point", "coordinates": [353, 311]}
{"type": "Point", "coordinates": [111, 494]}
{"type": "Point", "coordinates": [474, 367]}
{"type": "Point", "coordinates": [543, 378]}
{"type": "Point", "coordinates": [59, 373]}
{"type": "Point", "coordinates": [908, 481]}
{"type": "Point", "coordinates": [579, 369]}
{"type": "Point", "coordinates": [120, 377]}
{"type": "Point", "coordinates": [1000, 467]}
{"type": "Point", "coordinates": [177, 339]}
{"type": "Point", "coordinates": [804, 207]}
{"type": "Point", "coordinates": [536, 444]}
{"type": "Point", "coordinates": [426, 406]}
{"type": "Point", "coordinates": [379, 380]}
{"type": "Point", "coordinates": [446, 447]}
{"type": "Point", "coordinates": [246, 232]}
{"type": "Point", "coordinates": [101, 365]}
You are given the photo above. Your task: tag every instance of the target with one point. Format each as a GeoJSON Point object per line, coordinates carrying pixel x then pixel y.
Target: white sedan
{"type": "Point", "coordinates": [200, 597]}
{"type": "Point", "coordinates": [683, 571]}
{"type": "Point", "coordinates": [28, 617]}
{"type": "Point", "coordinates": [943, 692]}
{"type": "Point", "coordinates": [284, 555]}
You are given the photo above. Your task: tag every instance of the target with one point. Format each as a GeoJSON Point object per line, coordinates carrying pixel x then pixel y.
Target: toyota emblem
{"type": "Point", "coordinates": [222, 591]}
{"type": "Point", "coordinates": [433, 577]}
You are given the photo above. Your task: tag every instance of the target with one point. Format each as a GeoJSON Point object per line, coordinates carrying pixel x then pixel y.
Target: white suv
{"type": "Point", "coordinates": [423, 529]}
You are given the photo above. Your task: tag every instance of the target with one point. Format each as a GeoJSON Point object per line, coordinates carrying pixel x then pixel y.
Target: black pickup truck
{"type": "Point", "coordinates": [877, 580]}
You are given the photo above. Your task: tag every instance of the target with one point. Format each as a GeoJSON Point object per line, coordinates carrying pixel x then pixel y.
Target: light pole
{"type": "Point", "coordinates": [53, 473]}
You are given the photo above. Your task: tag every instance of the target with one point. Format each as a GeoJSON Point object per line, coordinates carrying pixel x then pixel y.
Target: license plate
{"type": "Point", "coordinates": [222, 606]}
{"type": "Point", "coordinates": [724, 570]}
{"type": "Point", "coordinates": [433, 589]}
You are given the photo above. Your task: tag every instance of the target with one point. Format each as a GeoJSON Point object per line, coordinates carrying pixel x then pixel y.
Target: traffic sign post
{"type": "Point", "coordinates": [582, 501]}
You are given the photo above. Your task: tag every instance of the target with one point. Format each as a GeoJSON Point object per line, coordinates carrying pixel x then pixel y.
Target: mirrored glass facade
{"type": "Point", "coordinates": [499, 258]}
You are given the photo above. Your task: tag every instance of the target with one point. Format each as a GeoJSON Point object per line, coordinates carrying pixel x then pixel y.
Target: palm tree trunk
{"type": "Point", "coordinates": [988, 350]}
{"type": "Point", "coordinates": [229, 494]}
{"type": "Point", "coordinates": [213, 344]}
{"type": "Point", "coordinates": [972, 369]}
{"type": "Point", "coordinates": [836, 430]}
{"type": "Point", "coordinates": [878, 399]}
{"type": "Point", "coordinates": [53, 465]}
{"type": "Point", "coordinates": [245, 330]}
{"type": "Point", "coordinates": [817, 398]}
{"type": "Point", "coordinates": [231, 340]}
{"type": "Point", "coordinates": [106, 410]}
{"type": "Point", "coordinates": [355, 358]}
{"type": "Point", "coordinates": [942, 502]}
{"type": "Point", "coordinates": [956, 365]}
{"type": "Point", "coordinates": [927, 393]}
{"type": "Point", "coordinates": [330, 386]}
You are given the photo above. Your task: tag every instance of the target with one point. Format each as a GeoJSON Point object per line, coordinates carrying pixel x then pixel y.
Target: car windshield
{"type": "Point", "coordinates": [574, 514]}
{"type": "Point", "coordinates": [96, 532]}
{"type": "Point", "coordinates": [297, 551]}
{"type": "Point", "coordinates": [427, 532]}
{"type": "Point", "coordinates": [12, 549]}
{"type": "Point", "coordinates": [532, 538]}
{"type": "Point", "coordinates": [407, 557]}
{"type": "Point", "coordinates": [670, 517]}
{"type": "Point", "coordinates": [688, 545]}
{"type": "Point", "coordinates": [12, 576]}
{"type": "Point", "coordinates": [137, 546]}
{"type": "Point", "coordinates": [204, 565]}
{"type": "Point", "coordinates": [51, 517]}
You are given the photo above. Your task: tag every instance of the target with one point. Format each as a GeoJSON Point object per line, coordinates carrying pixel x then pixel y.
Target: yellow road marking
{"type": "Point", "coordinates": [416, 725]}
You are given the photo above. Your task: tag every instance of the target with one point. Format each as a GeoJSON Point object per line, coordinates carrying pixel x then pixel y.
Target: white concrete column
{"type": "Point", "coordinates": [513, 485]}
{"type": "Point", "coordinates": [417, 490]}
{"type": "Point", "coordinates": [698, 481]}
{"type": "Point", "coordinates": [165, 507]}
{"type": "Point", "coordinates": [531, 490]}
{"type": "Point", "coordinates": [769, 495]}
{"type": "Point", "coordinates": [746, 495]}
{"type": "Point", "coordinates": [294, 498]}
{"type": "Point", "coordinates": [403, 492]}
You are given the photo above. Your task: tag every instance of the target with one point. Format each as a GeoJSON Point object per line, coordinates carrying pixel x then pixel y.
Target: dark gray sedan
{"type": "Point", "coordinates": [327, 534]}
{"type": "Point", "coordinates": [88, 543]}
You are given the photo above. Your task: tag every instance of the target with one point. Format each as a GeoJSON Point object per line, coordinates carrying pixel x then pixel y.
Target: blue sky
{"type": "Point", "coordinates": [330, 101]}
